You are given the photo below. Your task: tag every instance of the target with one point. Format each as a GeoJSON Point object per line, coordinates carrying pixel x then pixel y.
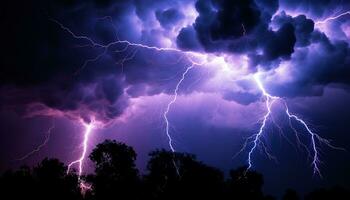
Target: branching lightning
{"type": "Point", "coordinates": [127, 44]}
{"type": "Point", "coordinates": [269, 100]}
{"type": "Point", "coordinates": [313, 135]}
{"type": "Point", "coordinates": [38, 148]}
{"type": "Point", "coordinates": [314, 138]}
{"type": "Point", "coordinates": [332, 18]}
{"type": "Point", "coordinates": [80, 161]}
{"type": "Point", "coordinates": [88, 128]}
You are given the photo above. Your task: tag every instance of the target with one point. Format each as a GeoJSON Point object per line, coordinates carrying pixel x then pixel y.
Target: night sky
{"type": "Point", "coordinates": [212, 68]}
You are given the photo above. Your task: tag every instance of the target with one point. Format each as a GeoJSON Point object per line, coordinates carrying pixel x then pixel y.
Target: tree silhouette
{"type": "Point", "coordinates": [290, 195]}
{"type": "Point", "coordinates": [194, 180]}
{"type": "Point", "coordinates": [48, 180]}
{"type": "Point", "coordinates": [245, 184]}
{"type": "Point", "coordinates": [53, 181]}
{"type": "Point", "coordinates": [18, 184]}
{"type": "Point", "coordinates": [338, 193]}
{"type": "Point", "coordinates": [170, 176]}
{"type": "Point", "coordinates": [116, 175]}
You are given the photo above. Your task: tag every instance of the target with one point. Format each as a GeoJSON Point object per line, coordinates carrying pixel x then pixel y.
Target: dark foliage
{"type": "Point", "coordinates": [338, 193]}
{"type": "Point", "coordinates": [290, 195]}
{"type": "Point", "coordinates": [115, 173]}
{"type": "Point", "coordinates": [170, 176]}
{"type": "Point", "coordinates": [48, 180]}
{"type": "Point", "coordinates": [245, 184]}
{"type": "Point", "coordinates": [179, 176]}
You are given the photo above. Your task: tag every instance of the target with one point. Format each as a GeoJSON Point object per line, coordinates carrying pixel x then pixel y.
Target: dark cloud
{"type": "Point", "coordinates": [234, 19]}
{"type": "Point", "coordinates": [241, 27]}
{"type": "Point", "coordinates": [42, 63]}
{"type": "Point", "coordinates": [102, 100]}
{"type": "Point", "coordinates": [302, 25]}
{"type": "Point", "coordinates": [146, 9]}
{"type": "Point", "coordinates": [169, 17]}
{"type": "Point", "coordinates": [187, 39]}
{"type": "Point", "coordinates": [330, 63]}
{"type": "Point", "coordinates": [322, 63]}
{"type": "Point", "coordinates": [316, 62]}
{"type": "Point", "coordinates": [268, 7]}
{"type": "Point", "coordinates": [281, 43]}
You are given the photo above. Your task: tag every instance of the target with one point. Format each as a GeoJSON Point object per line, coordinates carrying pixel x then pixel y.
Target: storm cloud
{"type": "Point", "coordinates": [45, 64]}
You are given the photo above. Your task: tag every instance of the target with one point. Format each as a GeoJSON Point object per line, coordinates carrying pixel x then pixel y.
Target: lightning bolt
{"type": "Point", "coordinates": [39, 147]}
{"type": "Point", "coordinates": [87, 131]}
{"type": "Point", "coordinates": [314, 137]}
{"type": "Point", "coordinates": [173, 100]}
{"type": "Point", "coordinates": [127, 44]}
{"type": "Point", "coordinates": [88, 128]}
{"type": "Point", "coordinates": [269, 100]}
{"type": "Point", "coordinates": [165, 115]}
{"type": "Point", "coordinates": [332, 18]}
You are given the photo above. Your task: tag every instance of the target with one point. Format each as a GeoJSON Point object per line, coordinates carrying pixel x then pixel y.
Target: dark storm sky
{"type": "Point", "coordinates": [51, 71]}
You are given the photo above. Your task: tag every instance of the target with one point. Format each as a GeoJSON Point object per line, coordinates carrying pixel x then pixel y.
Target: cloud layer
{"type": "Point", "coordinates": [47, 67]}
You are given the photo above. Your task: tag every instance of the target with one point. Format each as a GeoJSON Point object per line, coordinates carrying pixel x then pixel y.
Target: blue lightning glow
{"type": "Point", "coordinates": [80, 161]}
{"type": "Point", "coordinates": [39, 147]}
{"type": "Point", "coordinates": [313, 135]}
{"type": "Point", "coordinates": [269, 101]}
{"type": "Point", "coordinates": [88, 128]}
{"type": "Point", "coordinates": [332, 18]}
{"type": "Point", "coordinates": [165, 115]}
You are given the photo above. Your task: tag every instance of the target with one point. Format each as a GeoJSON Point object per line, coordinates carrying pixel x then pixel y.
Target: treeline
{"type": "Point", "coordinates": [170, 176]}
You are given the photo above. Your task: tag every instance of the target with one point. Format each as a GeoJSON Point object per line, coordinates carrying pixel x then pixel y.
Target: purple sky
{"type": "Point", "coordinates": [118, 65]}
